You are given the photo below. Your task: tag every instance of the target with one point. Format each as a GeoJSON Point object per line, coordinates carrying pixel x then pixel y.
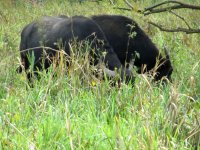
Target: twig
{"type": "Point", "coordinates": [16, 129]}
{"type": "Point", "coordinates": [178, 5]}
{"type": "Point", "coordinates": [162, 3]}
{"type": "Point", "coordinates": [187, 31]}
{"type": "Point", "coordinates": [181, 19]}
{"type": "Point", "coordinates": [131, 8]}
{"type": "Point", "coordinates": [122, 8]}
{"type": "Point", "coordinates": [111, 2]}
{"type": "Point", "coordinates": [129, 4]}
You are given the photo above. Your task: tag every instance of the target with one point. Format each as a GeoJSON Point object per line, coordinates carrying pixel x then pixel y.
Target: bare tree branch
{"type": "Point", "coordinates": [178, 5]}
{"type": "Point", "coordinates": [160, 7]}
{"type": "Point", "coordinates": [122, 8]}
{"type": "Point", "coordinates": [131, 8]}
{"type": "Point", "coordinates": [187, 31]}
{"type": "Point", "coordinates": [182, 18]}
{"type": "Point", "coordinates": [111, 2]}
{"type": "Point", "coordinates": [162, 3]}
{"type": "Point", "coordinates": [129, 4]}
{"type": "Point", "coordinates": [174, 5]}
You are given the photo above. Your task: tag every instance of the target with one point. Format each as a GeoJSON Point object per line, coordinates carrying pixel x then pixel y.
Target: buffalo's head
{"type": "Point", "coordinates": [165, 68]}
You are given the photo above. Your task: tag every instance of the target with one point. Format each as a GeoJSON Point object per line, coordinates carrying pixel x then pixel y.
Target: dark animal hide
{"type": "Point", "coordinates": [130, 42]}
{"type": "Point", "coordinates": [47, 31]}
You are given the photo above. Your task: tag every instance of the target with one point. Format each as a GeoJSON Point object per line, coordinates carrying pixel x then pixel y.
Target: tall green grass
{"type": "Point", "coordinates": [74, 110]}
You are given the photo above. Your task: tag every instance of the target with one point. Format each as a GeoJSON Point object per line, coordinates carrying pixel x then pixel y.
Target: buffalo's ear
{"type": "Point", "coordinates": [167, 55]}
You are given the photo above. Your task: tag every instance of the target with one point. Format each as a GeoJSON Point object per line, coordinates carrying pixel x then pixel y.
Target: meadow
{"type": "Point", "coordinates": [74, 110]}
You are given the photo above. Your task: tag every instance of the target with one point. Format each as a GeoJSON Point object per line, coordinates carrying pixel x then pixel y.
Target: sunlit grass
{"type": "Point", "coordinates": [71, 109]}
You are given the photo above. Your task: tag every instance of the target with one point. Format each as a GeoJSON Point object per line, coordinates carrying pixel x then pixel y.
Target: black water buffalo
{"type": "Point", "coordinates": [128, 40]}
{"type": "Point", "coordinates": [48, 31]}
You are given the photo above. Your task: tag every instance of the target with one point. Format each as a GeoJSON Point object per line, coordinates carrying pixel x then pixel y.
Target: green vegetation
{"type": "Point", "coordinates": [69, 111]}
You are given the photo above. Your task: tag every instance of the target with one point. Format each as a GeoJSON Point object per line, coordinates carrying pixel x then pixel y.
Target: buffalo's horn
{"type": "Point", "coordinates": [109, 72]}
{"type": "Point", "coordinates": [166, 52]}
